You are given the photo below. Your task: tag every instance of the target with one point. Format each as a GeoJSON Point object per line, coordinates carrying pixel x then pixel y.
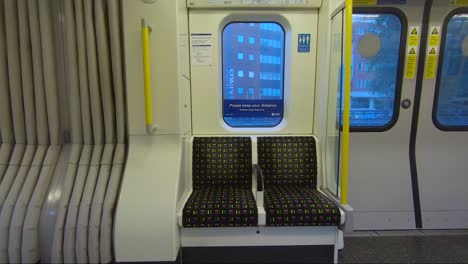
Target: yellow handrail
{"type": "Point", "coordinates": [347, 101]}
{"type": "Point", "coordinates": [145, 30]}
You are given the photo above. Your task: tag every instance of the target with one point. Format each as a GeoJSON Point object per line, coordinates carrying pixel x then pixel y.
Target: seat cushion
{"type": "Point", "coordinates": [288, 160]}
{"type": "Point", "coordinates": [220, 206]}
{"type": "Point", "coordinates": [299, 206]}
{"type": "Point", "coordinates": [222, 161]}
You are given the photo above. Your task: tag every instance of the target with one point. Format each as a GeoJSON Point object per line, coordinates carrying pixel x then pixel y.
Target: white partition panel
{"type": "Point", "coordinates": [146, 226]}
{"type": "Point", "coordinates": [299, 70]}
{"type": "Point", "coordinates": [168, 47]}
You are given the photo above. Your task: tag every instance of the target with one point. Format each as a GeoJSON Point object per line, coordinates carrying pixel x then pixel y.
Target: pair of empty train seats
{"type": "Point", "coordinates": [281, 190]}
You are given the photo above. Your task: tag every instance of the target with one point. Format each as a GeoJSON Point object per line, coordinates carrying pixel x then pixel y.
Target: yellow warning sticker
{"type": "Point", "coordinates": [411, 62]}
{"type": "Point", "coordinates": [365, 2]}
{"type": "Point", "coordinates": [413, 39]}
{"type": "Point", "coordinates": [434, 38]}
{"type": "Point", "coordinates": [412, 52]}
{"type": "Point", "coordinates": [460, 2]}
{"type": "Point", "coordinates": [431, 63]}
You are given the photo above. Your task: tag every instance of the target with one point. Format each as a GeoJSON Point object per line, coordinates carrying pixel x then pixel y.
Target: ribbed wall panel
{"type": "Point", "coordinates": [23, 176]}
{"type": "Point", "coordinates": [50, 78]}
{"type": "Point", "coordinates": [93, 74]}
{"type": "Point", "coordinates": [27, 205]}
{"type": "Point", "coordinates": [39, 89]}
{"type": "Point", "coordinates": [5, 153]}
{"type": "Point", "coordinates": [18, 218]}
{"type": "Point", "coordinates": [105, 241]}
{"type": "Point", "coordinates": [27, 77]}
{"type": "Point", "coordinates": [67, 182]}
{"type": "Point", "coordinates": [115, 37]}
{"type": "Point", "coordinates": [69, 247]}
{"type": "Point", "coordinates": [81, 180]}
{"type": "Point", "coordinates": [6, 121]}
{"type": "Point", "coordinates": [71, 57]}
{"type": "Point", "coordinates": [30, 247]}
{"type": "Point", "coordinates": [14, 70]}
{"type": "Point", "coordinates": [10, 200]}
{"type": "Point", "coordinates": [11, 172]}
{"type": "Point", "coordinates": [83, 74]}
{"type": "Point", "coordinates": [94, 225]}
{"type": "Point", "coordinates": [85, 205]}
{"type": "Point", "coordinates": [76, 135]}
{"type": "Point", "coordinates": [105, 78]}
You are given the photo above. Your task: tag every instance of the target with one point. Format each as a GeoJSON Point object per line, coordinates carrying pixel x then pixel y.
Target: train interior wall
{"type": "Point", "coordinates": [87, 177]}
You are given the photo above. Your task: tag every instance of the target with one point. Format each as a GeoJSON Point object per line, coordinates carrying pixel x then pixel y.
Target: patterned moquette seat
{"type": "Point", "coordinates": [289, 166]}
{"type": "Point", "coordinates": [222, 184]}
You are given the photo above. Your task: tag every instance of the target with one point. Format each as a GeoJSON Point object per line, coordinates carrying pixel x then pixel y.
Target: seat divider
{"type": "Point", "coordinates": [180, 210]}
{"type": "Point", "coordinates": [256, 173]}
{"type": "Point", "coordinates": [261, 216]}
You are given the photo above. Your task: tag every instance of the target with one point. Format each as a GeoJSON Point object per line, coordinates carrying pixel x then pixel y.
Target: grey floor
{"type": "Point", "coordinates": [406, 247]}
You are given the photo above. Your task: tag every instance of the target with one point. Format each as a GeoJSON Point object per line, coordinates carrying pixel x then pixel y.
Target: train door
{"type": "Point", "coordinates": [386, 42]}
{"type": "Point", "coordinates": [442, 132]}
{"type": "Point", "coordinates": [253, 66]}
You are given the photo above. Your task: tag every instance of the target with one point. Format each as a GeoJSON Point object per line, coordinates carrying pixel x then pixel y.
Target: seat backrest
{"type": "Point", "coordinates": [288, 160]}
{"type": "Point", "coordinates": [225, 161]}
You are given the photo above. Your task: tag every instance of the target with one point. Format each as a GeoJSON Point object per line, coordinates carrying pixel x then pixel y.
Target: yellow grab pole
{"type": "Point", "coordinates": [145, 30]}
{"type": "Point", "coordinates": [347, 101]}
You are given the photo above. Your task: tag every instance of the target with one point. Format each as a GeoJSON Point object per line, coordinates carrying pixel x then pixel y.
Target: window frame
{"type": "Point", "coordinates": [440, 64]}
{"type": "Point", "coordinates": [400, 67]}
{"type": "Point", "coordinates": [283, 72]}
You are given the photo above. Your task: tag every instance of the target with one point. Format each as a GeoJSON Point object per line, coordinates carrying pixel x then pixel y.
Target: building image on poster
{"type": "Point", "coordinates": [253, 74]}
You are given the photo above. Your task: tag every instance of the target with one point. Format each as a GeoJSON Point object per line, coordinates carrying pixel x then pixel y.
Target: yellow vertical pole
{"type": "Point", "coordinates": [347, 101]}
{"type": "Point", "coordinates": [145, 29]}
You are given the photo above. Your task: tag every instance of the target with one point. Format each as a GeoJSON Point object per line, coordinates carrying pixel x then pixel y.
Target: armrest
{"type": "Point", "coordinates": [258, 184]}
{"type": "Point", "coordinates": [259, 174]}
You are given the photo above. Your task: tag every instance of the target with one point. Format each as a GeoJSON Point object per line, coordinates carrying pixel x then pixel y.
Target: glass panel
{"type": "Point", "coordinates": [452, 104]}
{"type": "Point", "coordinates": [332, 157]}
{"type": "Point", "coordinates": [253, 74]}
{"type": "Point", "coordinates": [376, 51]}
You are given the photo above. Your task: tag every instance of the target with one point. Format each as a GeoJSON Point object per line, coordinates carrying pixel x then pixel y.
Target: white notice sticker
{"type": "Point", "coordinates": [202, 49]}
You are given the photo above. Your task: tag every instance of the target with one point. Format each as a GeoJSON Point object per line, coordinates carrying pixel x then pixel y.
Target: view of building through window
{"type": "Point", "coordinates": [253, 74]}
{"type": "Point", "coordinates": [374, 78]}
{"type": "Point", "coordinates": [452, 100]}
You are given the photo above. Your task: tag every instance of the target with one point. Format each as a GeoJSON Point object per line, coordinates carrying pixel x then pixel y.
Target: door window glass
{"type": "Point", "coordinates": [451, 108]}
{"type": "Point", "coordinates": [375, 66]}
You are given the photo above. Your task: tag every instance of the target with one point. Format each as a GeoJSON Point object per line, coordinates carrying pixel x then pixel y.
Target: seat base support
{"type": "Point", "coordinates": [263, 254]}
{"type": "Point", "coordinates": [234, 240]}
